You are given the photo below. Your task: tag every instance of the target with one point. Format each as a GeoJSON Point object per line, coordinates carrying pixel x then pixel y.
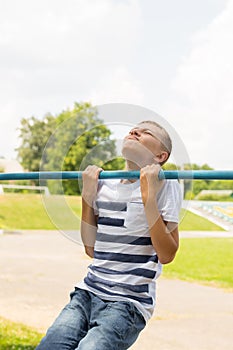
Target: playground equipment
{"type": "Point", "coordinates": [121, 174]}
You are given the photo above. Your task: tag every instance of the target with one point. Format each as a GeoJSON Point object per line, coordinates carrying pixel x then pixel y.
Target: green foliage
{"type": "Point", "coordinates": [194, 166]}
{"type": "Point", "coordinates": [170, 166]}
{"type": "Point", "coordinates": [34, 134]}
{"type": "Point", "coordinates": [16, 336]}
{"type": "Point", "coordinates": [117, 163]}
{"type": "Point", "coordinates": [214, 197]}
{"type": "Point", "coordinates": [67, 142]}
{"type": "Point", "coordinates": [221, 184]}
{"type": "Point", "coordinates": [205, 260]}
{"type": "Point", "coordinates": [199, 185]}
{"type": "Point", "coordinates": [192, 188]}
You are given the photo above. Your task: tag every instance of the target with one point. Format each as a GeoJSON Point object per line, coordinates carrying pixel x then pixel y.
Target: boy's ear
{"type": "Point", "coordinates": [161, 157]}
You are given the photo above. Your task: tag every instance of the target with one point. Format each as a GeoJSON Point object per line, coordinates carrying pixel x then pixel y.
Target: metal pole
{"type": "Point", "coordinates": [121, 174]}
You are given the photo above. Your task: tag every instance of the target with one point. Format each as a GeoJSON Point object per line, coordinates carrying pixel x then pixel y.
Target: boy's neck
{"type": "Point", "coordinates": [130, 166]}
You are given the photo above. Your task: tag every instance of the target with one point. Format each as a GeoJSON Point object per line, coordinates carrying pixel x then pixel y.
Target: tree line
{"type": "Point", "coordinates": [77, 137]}
{"type": "Point", "coordinates": [192, 188]}
{"type": "Point", "coordinates": [68, 141]}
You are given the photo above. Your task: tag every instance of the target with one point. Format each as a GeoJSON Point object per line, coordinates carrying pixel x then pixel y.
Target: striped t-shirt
{"type": "Point", "coordinates": [125, 264]}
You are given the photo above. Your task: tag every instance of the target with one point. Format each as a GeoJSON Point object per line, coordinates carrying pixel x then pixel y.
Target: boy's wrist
{"type": "Point", "coordinates": [88, 198]}
{"type": "Point", "coordinates": [151, 211]}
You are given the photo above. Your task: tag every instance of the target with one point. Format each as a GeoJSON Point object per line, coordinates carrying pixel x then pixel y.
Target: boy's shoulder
{"type": "Point", "coordinates": [171, 191]}
{"type": "Point", "coordinates": [172, 183]}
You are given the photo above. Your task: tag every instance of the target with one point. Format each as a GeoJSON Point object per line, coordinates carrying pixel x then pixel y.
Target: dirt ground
{"type": "Point", "coordinates": [39, 269]}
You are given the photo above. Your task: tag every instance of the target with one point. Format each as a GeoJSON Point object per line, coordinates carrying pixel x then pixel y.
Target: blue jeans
{"type": "Point", "coordinates": [89, 323]}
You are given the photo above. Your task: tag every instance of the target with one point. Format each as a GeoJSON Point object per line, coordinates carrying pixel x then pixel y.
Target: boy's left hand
{"type": "Point", "coordinates": [150, 183]}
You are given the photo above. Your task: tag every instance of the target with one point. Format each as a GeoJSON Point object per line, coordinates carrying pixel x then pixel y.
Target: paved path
{"type": "Point", "coordinates": [39, 269]}
{"type": "Point", "coordinates": [199, 234]}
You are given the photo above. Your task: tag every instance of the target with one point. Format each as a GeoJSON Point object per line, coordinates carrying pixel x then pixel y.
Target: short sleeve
{"type": "Point", "coordinates": [170, 201]}
{"type": "Point", "coordinates": [94, 204]}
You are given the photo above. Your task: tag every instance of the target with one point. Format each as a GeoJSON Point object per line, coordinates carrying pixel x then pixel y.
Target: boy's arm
{"type": "Point", "coordinates": [89, 223]}
{"type": "Point", "coordinates": [164, 235]}
{"type": "Point", "coordinates": [88, 228]}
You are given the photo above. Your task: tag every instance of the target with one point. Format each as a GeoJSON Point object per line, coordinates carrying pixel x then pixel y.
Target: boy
{"type": "Point", "coordinates": [129, 228]}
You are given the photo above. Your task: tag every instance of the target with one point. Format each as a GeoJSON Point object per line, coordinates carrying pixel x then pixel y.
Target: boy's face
{"type": "Point", "coordinates": [142, 145]}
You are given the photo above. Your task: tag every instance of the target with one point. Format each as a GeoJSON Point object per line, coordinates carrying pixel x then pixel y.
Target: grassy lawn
{"type": "Point", "coordinates": [204, 260]}
{"type": "Point", "coordinates": [15, 336]}
{"type": "Point", "coordinates": [27, 211]}
{"type": "Point", "coordinates": [193, 222]}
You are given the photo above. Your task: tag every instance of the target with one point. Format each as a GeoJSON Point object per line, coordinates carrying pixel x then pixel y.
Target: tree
{"type": "Point", "coordinates": [67, 142]}
{"type": "Point", "coordinates": [170, 166]}
{"type": "Point", "coordinates": [34, 134]}
{"type": "Point", "coordinates": [192, 188]}
{"type": "Point", "coordinates": [80, 139]}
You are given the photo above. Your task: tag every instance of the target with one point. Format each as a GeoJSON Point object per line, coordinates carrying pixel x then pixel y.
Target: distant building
{"type": "Point", "coordinates": [10, 166]}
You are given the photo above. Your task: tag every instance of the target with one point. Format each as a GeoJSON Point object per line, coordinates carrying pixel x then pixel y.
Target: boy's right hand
{"type": "Point", "coordinates": [90, 183]}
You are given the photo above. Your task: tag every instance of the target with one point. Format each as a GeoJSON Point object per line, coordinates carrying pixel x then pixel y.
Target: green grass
{"type": "Point", "coordinates": [193, 222]}
{"type": "Point", "coordinates": [204, 260]}
{"type": "Point", "coordinates": [27, 212]}
{"type": "Point", "coordinates": [16, 336]}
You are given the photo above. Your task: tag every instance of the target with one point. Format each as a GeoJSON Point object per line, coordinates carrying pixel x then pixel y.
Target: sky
{"type": "Point", "coordinates": [174, 58]}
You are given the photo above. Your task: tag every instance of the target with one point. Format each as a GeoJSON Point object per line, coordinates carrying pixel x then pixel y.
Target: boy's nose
{"type": "Point", "coordinates": [135, 132]}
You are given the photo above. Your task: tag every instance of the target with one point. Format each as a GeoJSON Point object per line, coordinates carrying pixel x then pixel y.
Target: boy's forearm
{"type": "Point", "coordinates": [163, 241]}
{"type": "Point", "coordinates": [88, 224]}
{"type": "Point", "coordinates": [89, 251]}
{"type": "Point", "coordinates": [88, 228]}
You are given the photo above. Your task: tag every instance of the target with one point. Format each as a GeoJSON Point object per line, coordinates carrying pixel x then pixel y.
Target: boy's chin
{"type": "Point", "coordinates": [138, 156]}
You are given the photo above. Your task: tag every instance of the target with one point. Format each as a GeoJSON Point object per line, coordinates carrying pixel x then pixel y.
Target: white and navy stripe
{"type": "Point", "coordinates": [122, 253]}
{"type": "Point", "coordinates": [125, 264]}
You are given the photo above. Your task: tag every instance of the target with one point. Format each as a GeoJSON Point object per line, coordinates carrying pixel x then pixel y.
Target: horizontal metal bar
{"type": "Point", "coordinates": [121, 174]}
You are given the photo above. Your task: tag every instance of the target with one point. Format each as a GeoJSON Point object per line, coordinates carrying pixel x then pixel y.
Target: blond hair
{"type": "Point", "coordinates": [164, 137]}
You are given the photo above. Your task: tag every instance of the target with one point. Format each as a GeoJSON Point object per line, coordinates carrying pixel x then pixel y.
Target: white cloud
{"type": "Point", "coordinates": [203, 90]}
{"type": "Point", "coordinates": [118, 86]}
{"type": "Point", "coordinates": [55, 52]}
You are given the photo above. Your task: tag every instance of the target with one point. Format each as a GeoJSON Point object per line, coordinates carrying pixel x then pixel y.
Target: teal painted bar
{"type": "Point", "coordinates": [121, 174]}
